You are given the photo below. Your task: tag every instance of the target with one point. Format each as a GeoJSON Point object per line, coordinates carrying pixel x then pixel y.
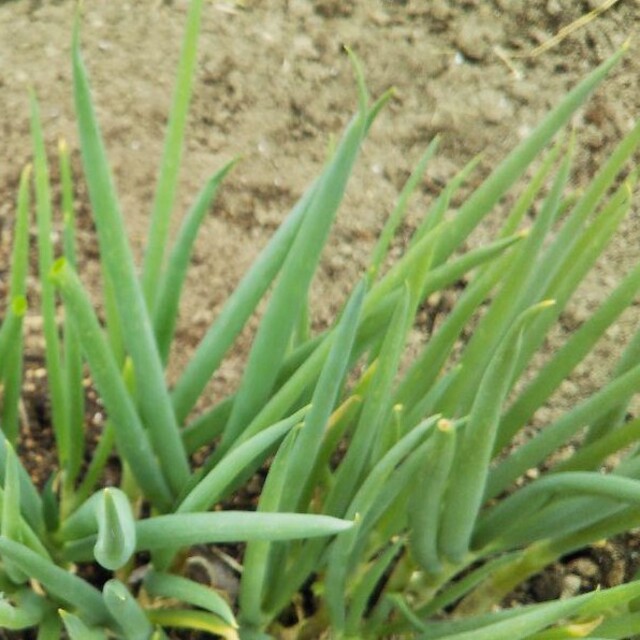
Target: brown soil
{"type": "Point", "coordinates": [274, 85]}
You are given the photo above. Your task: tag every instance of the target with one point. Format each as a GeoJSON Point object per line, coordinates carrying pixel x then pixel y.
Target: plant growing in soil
{"type": "Point", "coordinates": [392, 496]}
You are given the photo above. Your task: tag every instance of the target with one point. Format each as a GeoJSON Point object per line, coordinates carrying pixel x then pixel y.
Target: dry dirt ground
{"type": "Point", "coordinates": [274, 85]}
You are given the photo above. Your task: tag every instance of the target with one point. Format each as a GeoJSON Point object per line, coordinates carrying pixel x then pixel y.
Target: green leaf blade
{"type": "Point", "coordinates": [116, 530]}
{"type": "Point", "coordinates": [466, 488]}
{"type": "Point", "coordinates": [118, 260]}
{"type": "Point", "coordinates": [236, 311]}
{"type": "Point", "coordinates": [58, 582]}
{"type": "Point", "coordinates": [170, 586]}
{"type": "Point", "coordinates": [124, 608]}
{"type": "Point", "coordinates": [272, 339]}
{"type": "Point", "coordinates": [512, 167]}
{"type": "Point", "coordinates": [169, 170]}
{"type": "Point", "coordinates": [48, 307]}
{"type": "Point", "coordinates": [171, 284]}
{"type": "Point", "coordinates": [131, 437]}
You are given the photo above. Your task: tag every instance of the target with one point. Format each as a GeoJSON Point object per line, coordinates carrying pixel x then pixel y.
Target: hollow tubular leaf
{"type": "Point", "coordinates": [470, 469]}
{"type": "Point", "coordinates": [401, 271]}
{"type": "Point", "coordinates": [454, 592]}
{"type": "Point", "coordinates": [425, 505]}
{"type": "Point", "coordinates": [25, 535]}
{"type": "Point", "coordinates": [374, 412]}
{"type": "Point", "coordinates": [98, 462]}
{"type": "Point", "coordinates": [124, 608]}
{"type": "Point", "coordinates": [363, 505]}
{"type": "Point", "coordinates": [11, 357]}
{"type": "Point", "coordinates": [616, 522]}
{"type": "Point", "coordinates": [508, 302]}
{"type": "Point", "coordinates": [240, 461]}
{"type": "Point", "coordinates": [425, 368]}
{"type": "Point", "coordinates": [116, 254]}
{"type": "Point", "coordinates": [591, 456]}
{"type": "Point", "coordinates": [131, 436]}
{"type": "Point", "coordinates": [304, 371]}
{"type": "Point", "coordinates": [30, 501]}
{"type": "Point", "coordinates": [554, 435]}
{"type": "Point", "coordinates": [512, 167]}
{"type": "Point", "coordinates": [26, 612]}
{"type": "Point", "coordinates": [190, 619]}
{"type": "Point", "coordinates": [427, 404]}
{"type": "Point", "coordinates": [373, 437]}
{"type": "Point", "coordinates": [515, 620]}
{"type": "Point", "coordinates": [72, 353]}
{"type": "Point", "coordinates": [518, 626]}
{"type": "Point", "coordinates": [11, 335]}
{"type": "Point", "coordinates": [364, 591]}
{"type": "Point", "coordinates": [12, 386]}
{"type": "Point", "coordinates": [394, 220]}
{"type": "Point", "coordinates": [116, 530]}
{"type": "Point", "coordinates": [50, 627]}
{"type": "Point", "coordinates": [576, 263]}
{"type": "Point", "coordinates": [339, 421]}
{"type": "Point", "coordinates": [237, 311]}
{"type": "Point", "coordinates": [508, 512]}
{"type": "Point", "coordinates": [288, 396]}
{"type": "Point", "coordinates": [11, 520]}
{"type": "Point", "coordinates": [172, 281]}
{"type": "Point", "coordinates": [618, 627]}
{"type": "Point", "coordinates": [83, 521]}
{"type": "Point", "coordinates": [20, 251]}
{"type": "Point", "coordinates": [565, 239]}
{"type": "Point", "coordinates": [271, 341]}
{"type": "Point", "coordinates": [187, 529]}
{"type": "Point", "coordinates": [11, 329]}
{"type": "Point", "coordinates": [567, 357]}
{"type": "Point", "coordinates": [615, 417]}
{"type": "Point", "coordinates": [439, 208]}
{"type": "Point", "coordinates": [260, 558]}
{"type": "Point", "coordinates": [68, 213]}
{"type": "Point", "coordinates": [169, 169]}
{"type": "Point", "coordinates": [565, 516]}
{"type": "Point", "coordinates": [48, 308]}
{"type": "Point", "coordinates": [61, 584]}
{"type": "Point", "coordinates": [166, 585]}
{"type": "Point", "coordinates": [302, 461]}
{"type": "Point", "coordinates": [207, 426]}
{"type": "Point", "coordinates": [78, 630]}
{"type": "Point", "coordinates": [447, 274]}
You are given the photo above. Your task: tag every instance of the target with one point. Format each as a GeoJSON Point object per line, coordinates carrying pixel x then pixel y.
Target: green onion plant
{"type": "Point", "coordinates": [394, 504]}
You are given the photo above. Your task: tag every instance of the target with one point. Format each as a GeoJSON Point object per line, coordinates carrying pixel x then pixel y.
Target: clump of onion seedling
{"type": "Point", "coordinates": [421, 514]}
